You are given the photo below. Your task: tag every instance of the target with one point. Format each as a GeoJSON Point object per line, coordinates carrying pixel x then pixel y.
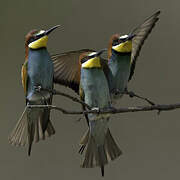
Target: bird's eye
{"type": "Point", "coordinates": [35, 37]}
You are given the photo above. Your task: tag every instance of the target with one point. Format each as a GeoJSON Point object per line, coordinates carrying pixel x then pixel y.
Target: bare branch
{"type": "Point", "coordinates": [55, 92]}
{"type": "Point", "coordinates": [160, 107]}
{"type": "Point", "coordinates": [132, 94]}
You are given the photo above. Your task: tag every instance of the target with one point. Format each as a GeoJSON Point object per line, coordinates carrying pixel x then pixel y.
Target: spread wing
{"type": "Point", "coordinates": [67, 68]}
{"type": "Point", "coordinates": [141, 33]}
{"type": "Point", "coordinates": [24, 76]}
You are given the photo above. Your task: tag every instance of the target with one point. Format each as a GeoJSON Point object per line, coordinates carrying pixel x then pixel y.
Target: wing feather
{"type": "Point", "coordinates": [67, 68]}
{"type": "Point", "coordinates": [141, 33]}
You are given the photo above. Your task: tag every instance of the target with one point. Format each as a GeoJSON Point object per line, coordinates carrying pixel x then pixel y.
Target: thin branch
{"type": "Point", "coordinates": [132, 94]}
{"type": "Point", "coordinates": [160, 107]}
{"type": "Point", "coordinates": [55, 92]}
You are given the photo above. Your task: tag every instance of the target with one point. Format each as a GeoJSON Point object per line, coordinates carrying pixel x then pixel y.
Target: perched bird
{"type": "Point", "coordinates": [37, 75]}
{"type": "Point", "coordinates": [123, 52]}
{"type": "Point", "coordinates": [86, 73]}
{"type": "Point", "coordinates": [94, 90]}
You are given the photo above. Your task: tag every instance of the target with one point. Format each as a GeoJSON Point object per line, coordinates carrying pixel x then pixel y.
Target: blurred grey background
{"type": "Point", "coordinates": [150, 143]}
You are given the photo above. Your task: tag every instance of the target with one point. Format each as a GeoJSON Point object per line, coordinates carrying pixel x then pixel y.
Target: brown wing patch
{"type": "Point", "coordinates": [67, 68]}
{"type": "Point", "coordinates": [141, 33]}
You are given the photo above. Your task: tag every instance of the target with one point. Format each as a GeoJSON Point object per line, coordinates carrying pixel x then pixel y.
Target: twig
{"type": "Point", "coordinates": [132, 94]}
{"type": "Point", "coordinates": [160, 107]}
{"type": "Point", "coordinates": [55, 92]}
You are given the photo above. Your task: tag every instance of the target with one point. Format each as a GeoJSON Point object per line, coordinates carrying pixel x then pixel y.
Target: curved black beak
{"type": "Point", "coordinates": [51, 29]}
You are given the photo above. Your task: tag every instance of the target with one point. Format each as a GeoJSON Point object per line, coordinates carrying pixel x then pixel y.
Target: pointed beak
{"type": "Point", "coordinates": [101, 51]}
{"type": "Point", "coordinates": [51, 29]}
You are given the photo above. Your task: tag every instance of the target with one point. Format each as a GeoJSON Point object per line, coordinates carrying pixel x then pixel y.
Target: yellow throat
{"type": "Point", "coordinates": [39, 43]}
{"type": "Point", "coordinates": [123, 47]}
{"type": "Point", "coordinates": [92, 63]}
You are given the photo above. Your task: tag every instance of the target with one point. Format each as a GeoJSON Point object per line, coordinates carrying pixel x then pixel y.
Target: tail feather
{"type": "Point", "coordinates": [26, 132]}
{"type": "Point", "coordinates": [102, 158]}
{"type": "Point", "coordinates": [91, 157]}
{"type": "Point", "coordinates": [100, 155]}
{"type": "Point", "coordinates": [37, 132]}
{"type": "Point", "coordinates": [112, 149]}
{"type": "Point", "coordinates": [18, 137]}
{"type": "Point", "coordinates": [84, 141]}
{"type": "Point", "coordinates": [102, 170]}
{"type": "Point", "coordinates": [50, 130]}
{"type": "Point", "coordinates": [29, 148]}
{"type": "Point", "coordinates": [31, 132]}
{"type": "Point", "coordinates": [85, 138]}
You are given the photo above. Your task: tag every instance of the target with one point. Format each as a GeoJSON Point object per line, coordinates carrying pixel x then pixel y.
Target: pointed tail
{"type": "Point", "coordinates": [100, 155]}
{"type": "Point", "coordinates": [27, 132]}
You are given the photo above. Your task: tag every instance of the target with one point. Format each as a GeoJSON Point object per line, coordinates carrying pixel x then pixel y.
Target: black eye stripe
{"type": "Point", "coordinates": [83, 60]}
{"type": "Point", "coordinates": [123, 40]}
{"type": "Point", "coordinates": [92, 56]}
{"type": "Point", "coordinates": [39, 35]}
{"type": "Point", "coordinates": [33, 38]}
{"type": "Point", "coordinates": [118, 41]}
{"type": "Point", "coordinates": [30, 40]}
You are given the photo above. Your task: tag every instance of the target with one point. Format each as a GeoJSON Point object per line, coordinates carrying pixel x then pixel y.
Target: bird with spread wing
{"type": "Point", "coordinates": [118, 68]}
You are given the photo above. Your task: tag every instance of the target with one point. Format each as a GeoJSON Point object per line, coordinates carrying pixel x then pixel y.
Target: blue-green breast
{"type": "Point", "coordinates": [120, 68]}
{"type": "Point", "coordinates": [40, 70]}
{"type": "Point", "coordinates": [96, 91]}
{"type": "Point", "coordinates": [95, 87]}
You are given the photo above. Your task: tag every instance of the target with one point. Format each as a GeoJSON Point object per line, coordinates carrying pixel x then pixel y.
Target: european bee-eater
{"type": "Point", "coordinates": [86, 73]}
{"type": "Point", "coordinates": [94, 90]}
{"type": "Point", "coordinates": [123, 52]}
{"type": "Point", "coordinates": [37, 74]}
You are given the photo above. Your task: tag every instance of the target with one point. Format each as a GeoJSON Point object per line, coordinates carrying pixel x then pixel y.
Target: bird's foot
{"type": "Point", "coordinates": [97, 109]}
{"type": "Point", "coordinates": [37, 88]}
{"type": "Point", "coordinates": [116, 92]}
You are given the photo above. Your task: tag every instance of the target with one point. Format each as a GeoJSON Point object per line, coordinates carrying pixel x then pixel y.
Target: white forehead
{"type": "Point", "coordinates": [123, 37]}
{"type": "Point", "coordinates": [40, 32]}
{"type": "Point", "coordinates": [93, 53]}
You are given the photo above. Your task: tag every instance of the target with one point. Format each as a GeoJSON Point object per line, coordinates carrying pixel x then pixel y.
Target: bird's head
{"type": "Point", "coordinates": [36, 39]}
{"type": "Point", "coordinates": [91, 60]}
{"type": "Point", "coordinates": [120, 44]}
